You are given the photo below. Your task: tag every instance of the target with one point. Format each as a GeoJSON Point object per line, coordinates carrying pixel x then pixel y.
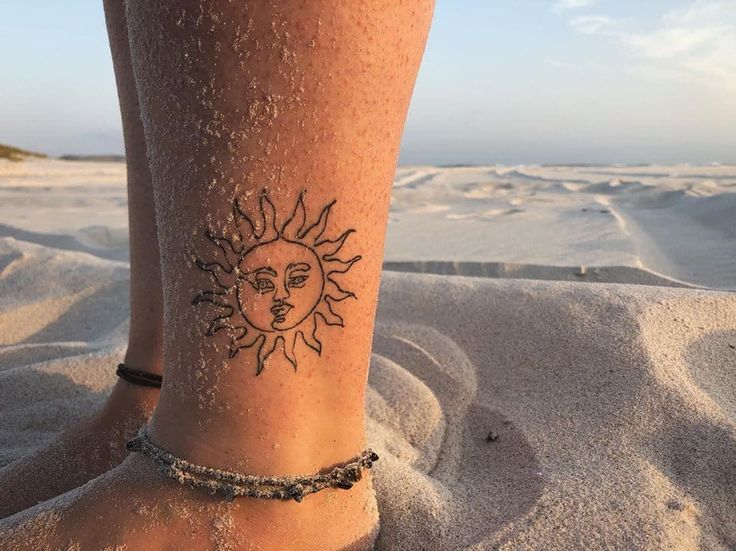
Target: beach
{"type": "Point", "coordinates": [553, 360]}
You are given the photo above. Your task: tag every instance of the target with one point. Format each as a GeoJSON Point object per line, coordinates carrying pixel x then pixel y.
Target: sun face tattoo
{"type": "Point", "coordinates": [271, 283]}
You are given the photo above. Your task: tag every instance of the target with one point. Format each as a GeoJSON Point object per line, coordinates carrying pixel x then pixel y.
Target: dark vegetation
{"type": "Point", "coordinates": [17, 154]}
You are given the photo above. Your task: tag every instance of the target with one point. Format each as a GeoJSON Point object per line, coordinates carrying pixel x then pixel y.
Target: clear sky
{"type": "Point", "coordinates": [507, 81]}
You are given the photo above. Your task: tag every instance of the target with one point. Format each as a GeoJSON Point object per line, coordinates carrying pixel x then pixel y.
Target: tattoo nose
{"type": "Point", "coordinates": [282, 293]}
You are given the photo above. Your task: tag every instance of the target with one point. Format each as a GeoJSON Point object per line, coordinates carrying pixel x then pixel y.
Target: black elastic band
{"type": "Point", "coordinates": [138, 377]}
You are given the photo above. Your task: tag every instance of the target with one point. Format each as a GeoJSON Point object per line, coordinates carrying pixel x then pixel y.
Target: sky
{"type": "Point", "coordinates": [502, 81]}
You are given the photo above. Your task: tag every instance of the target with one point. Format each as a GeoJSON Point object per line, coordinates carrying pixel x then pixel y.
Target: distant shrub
{"type": "Point", "coordinates": [17, 154]}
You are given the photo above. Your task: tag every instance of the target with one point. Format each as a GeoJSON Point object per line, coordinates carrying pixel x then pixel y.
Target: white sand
{"type": "Point", "coordinates": [614, 405]}
{"type": "Point", "coordinates": [676, 221]}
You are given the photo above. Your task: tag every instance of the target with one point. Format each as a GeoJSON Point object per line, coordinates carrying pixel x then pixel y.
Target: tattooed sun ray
{"type": "Point", "coordinates": [271, 282]}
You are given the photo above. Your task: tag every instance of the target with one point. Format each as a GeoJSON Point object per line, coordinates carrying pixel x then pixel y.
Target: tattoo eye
{"type": "Point", "coordinates": [263, 285]}
{"type": "Point", "coordinates": [297, 281]}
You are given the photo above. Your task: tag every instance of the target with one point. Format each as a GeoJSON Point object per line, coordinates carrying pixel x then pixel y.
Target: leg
{"type": "Point", "coordinates": [94, 446]}
{"type": "Point", "coordinates": [146, 295]}
{"type": "Point", "coordinates": [260, 116]}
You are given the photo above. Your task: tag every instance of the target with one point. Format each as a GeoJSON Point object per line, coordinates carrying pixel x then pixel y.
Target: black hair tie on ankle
{"type": "Point", "coordinates": [138, 377]}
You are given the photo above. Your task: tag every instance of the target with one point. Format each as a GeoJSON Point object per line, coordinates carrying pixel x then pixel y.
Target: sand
{"type": "Point", "coordinates": [648, 222]}
{"type": "Point", "coordinates": [580, 396]}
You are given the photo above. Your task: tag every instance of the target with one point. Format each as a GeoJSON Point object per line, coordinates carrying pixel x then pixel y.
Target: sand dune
{"type": "Point", "coordinates": [509, 270]}
{"type": "Point", "coordinates": [510, 411]}
{"type": "Point", "coordinates": [674, 221]}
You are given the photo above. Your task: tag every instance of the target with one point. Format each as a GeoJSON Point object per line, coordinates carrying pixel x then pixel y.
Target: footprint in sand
{"type": "Point", "coordinates": [434, 439]}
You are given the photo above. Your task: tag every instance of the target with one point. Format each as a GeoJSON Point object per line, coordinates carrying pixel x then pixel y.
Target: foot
{"type": "Point", "coordinates": [134, 507]}
{"type": "Point", "coordinates": [80, 453]}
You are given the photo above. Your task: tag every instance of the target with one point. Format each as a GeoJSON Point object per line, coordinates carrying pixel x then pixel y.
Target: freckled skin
{"type": "Point", "coordinates": [282, 296]}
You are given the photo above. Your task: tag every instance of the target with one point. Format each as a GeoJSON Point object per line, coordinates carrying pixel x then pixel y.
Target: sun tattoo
{"type": "Point", "coordinates": [271, 283]}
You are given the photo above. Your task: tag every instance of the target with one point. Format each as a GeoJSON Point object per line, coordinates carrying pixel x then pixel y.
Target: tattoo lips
{"type": "Point", "coordinates": [271, 283]}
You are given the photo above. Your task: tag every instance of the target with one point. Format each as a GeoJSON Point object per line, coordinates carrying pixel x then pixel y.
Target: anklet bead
{"type": "Point", "coordinates": [233, 485]}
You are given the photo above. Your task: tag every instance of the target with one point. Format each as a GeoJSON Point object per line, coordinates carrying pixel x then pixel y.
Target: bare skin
{"type": "Point", "coordinates": [86, 450]}
{"type": "Point", "coordinates": [248, 107]}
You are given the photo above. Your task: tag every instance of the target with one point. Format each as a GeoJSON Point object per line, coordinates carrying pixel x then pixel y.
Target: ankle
{"type": "Point", "coordinates": [128, 402]}
{"type": "Point", "coordinates": [281, 422]}
{"type": "Point", "coordinates": [145, 354]}
{"type": "Point", "coordinates": [265, 440]}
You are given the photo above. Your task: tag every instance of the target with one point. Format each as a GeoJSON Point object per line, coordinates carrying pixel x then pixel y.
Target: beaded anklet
{"type": "Point", "coordinates": [233, 485]}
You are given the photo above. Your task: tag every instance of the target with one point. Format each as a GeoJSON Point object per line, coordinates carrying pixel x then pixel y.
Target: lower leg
{"type": "Point", "coordinates": [90, 448]}
{"type": "Point", "coordinates": [289, 118]}
{"type": "Point", "coordinates": [145, 337]}
{"type": "Point", "coordinates": [273, 131]}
